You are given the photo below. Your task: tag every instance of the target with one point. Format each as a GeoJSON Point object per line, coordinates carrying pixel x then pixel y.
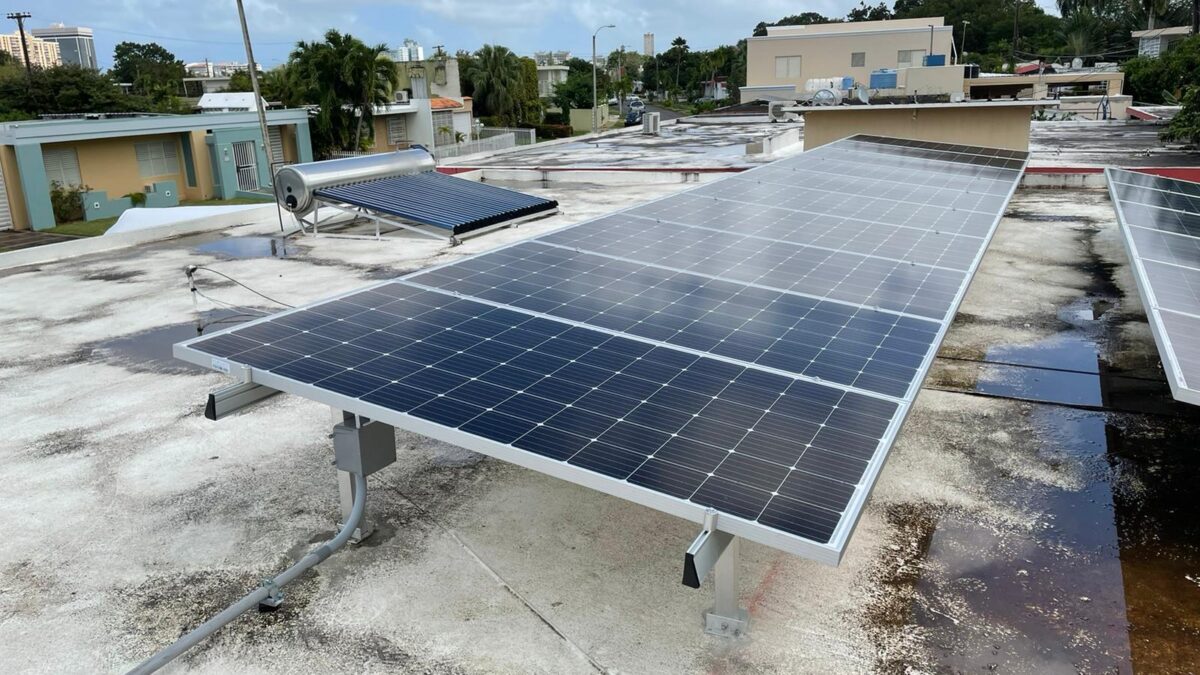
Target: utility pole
{"type": "Point", "coordinates": [20, 19]}
{"type": "Point", "coordinates": [262, 114]}
{"type": "Point", "coordinates": [963, 49]}
{"type": "Point", "coordinates": [594, 103]}
{"type": "Point", "coordinates": [1016, 32]}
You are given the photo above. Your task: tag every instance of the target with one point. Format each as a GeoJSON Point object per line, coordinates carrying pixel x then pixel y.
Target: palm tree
{"type": "Point", "coordinates": [345, 79]}
{"type": "Point", "coordinates": [680, 47]}
{"type": "Point", "coordinates": [1152, 8]}
{"type": "Point", "coordinates": [496, 73]}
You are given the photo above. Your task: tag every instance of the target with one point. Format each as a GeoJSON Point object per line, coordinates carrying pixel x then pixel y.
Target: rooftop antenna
{"type": "Point", "coordinates": [20, 17]}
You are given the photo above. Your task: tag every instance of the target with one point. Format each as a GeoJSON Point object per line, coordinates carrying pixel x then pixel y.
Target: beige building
{"type": "Point", "coordinates": [42, 53]}
{"type": "Point", "coordinates": [779, 63]}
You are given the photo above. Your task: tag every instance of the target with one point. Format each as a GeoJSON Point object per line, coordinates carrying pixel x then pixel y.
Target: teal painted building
{"type": "Point", "coordinates": [166, 158]}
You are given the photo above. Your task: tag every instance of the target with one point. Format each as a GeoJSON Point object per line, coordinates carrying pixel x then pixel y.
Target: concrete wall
{"type": "Point", "coordinates": [12, 186]}
{"type": "Point", "coordinates": [828, 55]}
{"type": "Point", "coordinates": [997, 127]}
{"type": "Point", "coordinates": [932, 80]}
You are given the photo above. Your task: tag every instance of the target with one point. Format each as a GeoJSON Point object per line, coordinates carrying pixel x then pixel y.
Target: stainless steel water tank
{"type": "Point", "coordinates": [296, 183]}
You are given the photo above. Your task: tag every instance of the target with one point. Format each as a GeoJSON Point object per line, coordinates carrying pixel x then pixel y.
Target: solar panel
{"type": "Point", "coordinates": [438, 200]}
{"type": "Point", "coordinates": [730, 347]}
{"type": "Point", "coordinates": [1160, 223]}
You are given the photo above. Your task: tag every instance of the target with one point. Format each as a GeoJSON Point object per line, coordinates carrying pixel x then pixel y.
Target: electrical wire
{"type": "Point", "coordinates": [261, 295]}
{"type": "Point", "coordinates": [1071, 371]}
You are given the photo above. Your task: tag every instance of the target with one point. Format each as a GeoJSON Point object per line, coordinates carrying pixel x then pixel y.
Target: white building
{"type": "Point", "coordinates": [411, 51]}
{"type": "Point", "coordinates": [42, 53]}
{"type": "Point", "coordinates": [1157, 41]}
{"type": "Point", "coordinates": [75, 44]}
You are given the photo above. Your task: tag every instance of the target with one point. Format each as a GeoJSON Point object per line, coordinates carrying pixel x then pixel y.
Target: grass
{"type": "Point", "coordinates": [84, 228]}
{"type": "Point", "coordinates": [236, 201]}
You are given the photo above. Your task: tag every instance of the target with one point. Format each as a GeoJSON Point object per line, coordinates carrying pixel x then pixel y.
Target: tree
{"type": "Point", "coordinates": [1185, 126]}
{"type": "Point", "coordinates": [67, 90]}
{"type": "Point", "coordinates": [150, 68]}
{"type": "Point", "coordinates": [802, 19]}
{"type": "Point", "coordinates": [278, 85]}
{"type": "Point", "coordinates": [345, 79]}
{"type": "Point", "coordinates": [496, 76]}
{"type": "Point", "coordinates": [865, 12]}
{"type": "Point", "coordinates": [575, 92]}
{"type": "Point", "coordinates": [466, 61]}
{"type": "Point", "coordinates": [1156, 80]}
{"type": "Point", "coordinates": [240, 81]}
{"type": "Point", "coordinates": [529, 103]}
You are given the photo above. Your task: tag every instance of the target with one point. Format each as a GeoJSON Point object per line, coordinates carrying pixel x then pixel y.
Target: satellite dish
{"type": "Point", "coordinates": [862, 94]}
{"type": "Point", "coordinates": [825, 97]}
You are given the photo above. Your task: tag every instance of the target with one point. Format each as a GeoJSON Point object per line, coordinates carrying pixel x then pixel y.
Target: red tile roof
{"type": "Point", "coordinates": [441, 103]}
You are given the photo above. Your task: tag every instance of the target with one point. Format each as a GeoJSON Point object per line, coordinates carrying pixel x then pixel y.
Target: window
{"type": "Point", "coordinates": [156, 158]}
{"type": "Point", "coordinates": [858, 59]}
{"type": "Point", "coordinates": [907, 58]}
{"type": "Point", "coordinates": [787, 67]}
{"type": "Point", "coordinates": [62, 166]}
{"type": "Point", "coordinates": [397, 130]}
{"type": "Point", "coordinates": [443, 128]}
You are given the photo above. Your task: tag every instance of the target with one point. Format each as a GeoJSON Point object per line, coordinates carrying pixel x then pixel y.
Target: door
{"type": "Point", "coordinates": [245, 160]}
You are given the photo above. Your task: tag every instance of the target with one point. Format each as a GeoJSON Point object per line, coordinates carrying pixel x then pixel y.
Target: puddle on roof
{"type": "Point", "coordinates": [247, 247]}
{"type": "Point", "coordinates": [1108, 577]}
{"type": "Point", "coordinates": [151, 350]}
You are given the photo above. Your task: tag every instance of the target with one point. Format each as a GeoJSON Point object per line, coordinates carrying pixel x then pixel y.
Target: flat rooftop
{"type": "Point", "coordinates": [1036, 510]}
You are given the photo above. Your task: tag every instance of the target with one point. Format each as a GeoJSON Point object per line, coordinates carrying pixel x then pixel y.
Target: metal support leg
{"type": "Point", "coordinates": [717, 552]}
{"type": "Point", "coordinates": [727, 618]}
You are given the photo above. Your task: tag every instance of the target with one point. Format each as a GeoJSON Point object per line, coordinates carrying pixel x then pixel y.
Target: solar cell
{"type": "Point", "coordinates": [751, 345]}
{"type": "Point", "coordinates": [1160, 224]}
{"type": "Point", "coordinates": [438, 200]}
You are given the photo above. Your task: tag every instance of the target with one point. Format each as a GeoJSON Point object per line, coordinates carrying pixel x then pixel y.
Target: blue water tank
{"type": "Point", "coordinates": [884, 78]}
{"type": "Point", "coordinates": [847, 83]}
{"type": "Point", "coordinates": [935, 59]}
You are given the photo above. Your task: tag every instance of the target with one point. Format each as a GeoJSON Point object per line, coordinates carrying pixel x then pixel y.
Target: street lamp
{"type": "Point", "coordinates": [961, 50]}
{"type": "Point", "coordinates": [594, 102]}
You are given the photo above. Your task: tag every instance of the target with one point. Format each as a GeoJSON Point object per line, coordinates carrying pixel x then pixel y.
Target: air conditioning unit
{"type": "Point", "coordinates": [650, 124]}
{"type": "Point", "coordinates": [402, 96]}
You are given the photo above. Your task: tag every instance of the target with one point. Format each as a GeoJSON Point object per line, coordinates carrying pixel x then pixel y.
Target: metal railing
{"type": "Point", "coordinates": [523, 136]}
{"type": "Point", "coordinates": [490, 144]}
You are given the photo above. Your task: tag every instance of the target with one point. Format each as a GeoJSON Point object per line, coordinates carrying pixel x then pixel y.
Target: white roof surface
{"type": "Point", "coordinates": [228, 101]}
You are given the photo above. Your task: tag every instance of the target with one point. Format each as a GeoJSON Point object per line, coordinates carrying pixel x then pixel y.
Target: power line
{"type": "Point", "coordinates": [183, 39]}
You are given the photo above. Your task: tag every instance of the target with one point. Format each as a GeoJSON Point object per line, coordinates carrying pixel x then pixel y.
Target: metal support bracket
{"type": "Point", "coordinates": [360, 446]}
{"type": "Point", "coordinates": [274, 597]}
{"type": "Point", "coordinates": [234, 397]}
{"type": "Point", "coordinates": [717, 552]}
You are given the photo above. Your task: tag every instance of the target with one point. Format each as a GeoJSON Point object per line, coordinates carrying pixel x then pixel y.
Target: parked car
{"type": "Point", "coordinates": [636, 104]}
{"type": "Point", "coordinates": [633, 117]}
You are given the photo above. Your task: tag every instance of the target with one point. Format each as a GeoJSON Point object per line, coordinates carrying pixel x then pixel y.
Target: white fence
{"type": "Point", "coordinates": [490, 144]}
{"type": "Point", "coordinates": [524, 136]}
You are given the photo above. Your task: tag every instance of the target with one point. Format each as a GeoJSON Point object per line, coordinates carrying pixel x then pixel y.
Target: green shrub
{"type": "Point", "coordinates": [137, 198]}
{"type": "Point", "coordinates": [556, 118]}
{"type": "Point", "coordinates": [549, 130]}
{"type": "Point", "coordinates": [67, 202]}
{"type": "Point", "coordinates": [1185, 126]}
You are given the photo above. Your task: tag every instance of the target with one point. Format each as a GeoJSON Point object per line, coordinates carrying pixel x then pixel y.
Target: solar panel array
{"type": "Point", "coordinates": [1160, 221]}
{"type": "Point", "coordinates": [438, 200]}
{"type": "Point", "coordinates": [751, 345]}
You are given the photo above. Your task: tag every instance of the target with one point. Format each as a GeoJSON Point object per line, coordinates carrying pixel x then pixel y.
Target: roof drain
{"type": "Point", "coordinates": [268, 593]}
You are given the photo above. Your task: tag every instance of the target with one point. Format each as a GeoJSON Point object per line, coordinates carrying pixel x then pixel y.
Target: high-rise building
{"type": "Point", "coordinates": [648, 44]}
{"type": "Point", "coordinates": [411, 51]}
{"type": "Point", "coordinates": [42, 53]}
{"type": "Point", "coordinates": [75, 45]}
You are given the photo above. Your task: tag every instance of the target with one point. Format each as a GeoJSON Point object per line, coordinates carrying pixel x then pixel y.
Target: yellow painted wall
{"type": "Point", "coordinates": [12, 185]}
{"type": "Point", "coordinates": [996, 127]}
{"type": "Point", "coordinates": [204, 172]}
{"type": "Point", "coordinates": [110, 164]}
{"type": "Point", "coordinates": [829, 55]}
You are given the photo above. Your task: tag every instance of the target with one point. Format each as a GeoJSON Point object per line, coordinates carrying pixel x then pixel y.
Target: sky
{"type": "Point", "coordinates": [194, 31]}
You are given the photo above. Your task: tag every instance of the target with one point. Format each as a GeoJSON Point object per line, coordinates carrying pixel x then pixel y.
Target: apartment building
{"type": "Point", "coordinates": [780, 62]}
{"type": "Point", "coordinates": [42, 53]}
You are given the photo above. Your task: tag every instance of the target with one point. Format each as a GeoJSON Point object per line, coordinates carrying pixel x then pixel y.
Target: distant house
{"type": "Point", "coordinates": [717, 88]}
{"type": "Point", "coordinates": [430, 122]}
{"type": "Point", "coordinates": [779, 63]}
{"type": "Point", "coordinates": [552, 71]}
{"type": "Point", "coordinates": [228, 102]}
{"type": "Point", "coordinates": [166, 157]}
{"type": "Point", "coordinates": [1157, 41]}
